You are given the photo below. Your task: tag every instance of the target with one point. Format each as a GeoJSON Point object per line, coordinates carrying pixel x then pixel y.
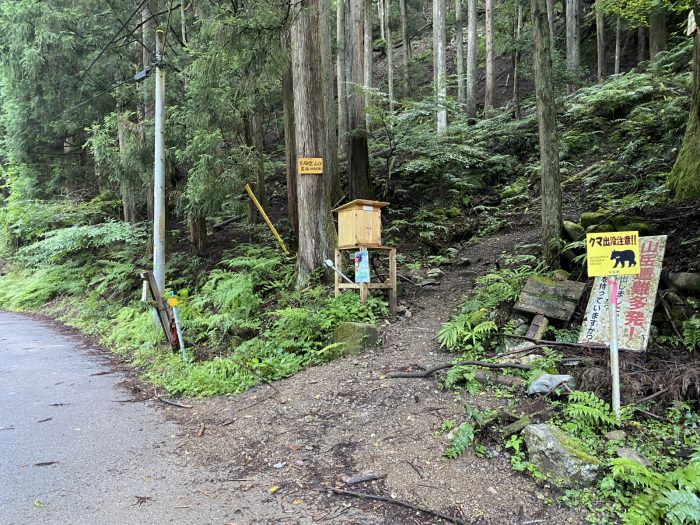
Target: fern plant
{"type": "Point", "coordinates": [585, 409]}
{"type": "Point", "coordinates": [463, 436]}
{"type": "Point", "coordinates": [462, 439]}
{"type": "Point", "coordinates": [661, 498]}
{"type": "Point", "coordinates": [691, 333]}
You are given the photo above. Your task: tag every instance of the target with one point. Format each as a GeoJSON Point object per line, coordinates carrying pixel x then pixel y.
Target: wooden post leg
{"type": "Point", "coordinates": [538, 327]}
{"type": "Point", "coordinates": [364, 293]}
{"type": "Point", "coordinates": [338, 260]}
{"type": "Point", "coordinates": [392, 280]}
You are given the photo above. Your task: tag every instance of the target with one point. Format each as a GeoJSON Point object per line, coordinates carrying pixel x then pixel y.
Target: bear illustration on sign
{"type": "Point", "coordinates": [622, 257]}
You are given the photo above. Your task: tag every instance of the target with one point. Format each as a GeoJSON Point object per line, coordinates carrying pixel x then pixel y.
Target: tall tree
{"type": "Point", "coordinates": [406, 44]}
{"type": "Point", "coordinates": [549, 139]}
{"type": "Point", "coordinates": [341, 54]}
{"type": "Point", "coordinates": [573, 40]}
{"type": "Point", "coordinates": [289, 140]}
{"type": "Point", "coordinates": [389, 52]}
{"type": "Point", "coordinates": [381, 12]}
{"type": "Point", "coordinates": [148, 25]}
{"type": "Point", "coordinates": [440, 65]}
{"type": "Point", "coordinates": [459, 45]}
{"type": "Point", "coordinates": [471, 58]}
{"type": "Point", "coordinates": [255, 140]}
{"type": "Point", "coordinates": [618, 34]}
{"type": "Point", "coordinates": [657, 31]}
{"type": "Point", "coordinates": [516, 57]}
{"type": "Point", "coordinates": [329, 110]}
{"type": "Point", "coordinates": [368, 55]}
{"type": "Point", "coordinates": [490, 89]}
{"type": "Point", "coordinates": [600, 40]}
{"type": "Point", "coordinates": [550, 18]}
{"type": "Point", "coordinates": [316, 231]}
{"type": "Point", "coordinates": [359, 181]}
{"type": "Point", "coordinates": [684, 179]}
{"type": "Point", "coordinates": [641, 44]}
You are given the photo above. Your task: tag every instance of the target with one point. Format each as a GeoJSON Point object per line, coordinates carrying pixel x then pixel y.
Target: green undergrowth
{"type": "Point", "coordinates": [243, 321]}
{"type": "Point", "coordinates": [618, 141]}
{"type": "Point", "coordinates": [663, 492]}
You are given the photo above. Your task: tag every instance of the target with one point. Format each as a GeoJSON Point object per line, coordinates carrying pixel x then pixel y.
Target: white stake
{"type": "Point", "coordinates": [614, 355]}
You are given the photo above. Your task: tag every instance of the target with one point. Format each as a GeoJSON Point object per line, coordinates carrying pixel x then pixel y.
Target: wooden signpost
{"type": "Point", "coordinates": [610, 255]}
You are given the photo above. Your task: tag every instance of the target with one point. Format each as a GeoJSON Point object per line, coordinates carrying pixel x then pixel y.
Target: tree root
{"type": "Point", "coordinates": [433, 369]}
{"type": "Point", "coordinates": [400, 503]}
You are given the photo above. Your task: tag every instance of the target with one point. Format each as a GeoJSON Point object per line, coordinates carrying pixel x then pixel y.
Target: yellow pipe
{"type": "Point", "coordinates": [267, 219]}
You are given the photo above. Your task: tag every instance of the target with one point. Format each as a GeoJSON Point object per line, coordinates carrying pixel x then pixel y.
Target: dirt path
{"type": "Point", "coordinates": [286, 448]}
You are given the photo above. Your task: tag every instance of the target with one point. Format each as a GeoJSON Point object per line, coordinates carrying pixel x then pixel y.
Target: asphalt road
{"type": "Point", "coordinates": [75, 450]}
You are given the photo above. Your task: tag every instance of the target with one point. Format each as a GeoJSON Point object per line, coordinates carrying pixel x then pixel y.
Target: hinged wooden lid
{"type": "Point", "coordinates": [361, 202]}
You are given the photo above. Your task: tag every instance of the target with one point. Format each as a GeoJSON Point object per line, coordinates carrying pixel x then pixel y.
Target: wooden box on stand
{"type": "Point", "coordinates": [360, 223]}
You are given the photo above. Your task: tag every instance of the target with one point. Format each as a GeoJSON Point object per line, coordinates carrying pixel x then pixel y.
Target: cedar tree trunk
{"type": "Point", "coordinates": [549, 140]}
{"type": "Point", "coordinates": [316, 230]}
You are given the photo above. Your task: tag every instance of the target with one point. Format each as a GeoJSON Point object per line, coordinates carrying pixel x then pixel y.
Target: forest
{"type": "Point", "coordinates": [499, 132]}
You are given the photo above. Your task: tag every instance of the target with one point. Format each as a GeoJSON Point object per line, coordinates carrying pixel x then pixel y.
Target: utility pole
{"type": "Point", "coordinates": [159, 169]}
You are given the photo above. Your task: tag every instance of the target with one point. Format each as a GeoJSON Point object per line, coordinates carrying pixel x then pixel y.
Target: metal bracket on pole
{"type": "Point", "coordinates": [330, 265]}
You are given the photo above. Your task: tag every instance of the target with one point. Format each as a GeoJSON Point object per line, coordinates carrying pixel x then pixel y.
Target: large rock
{"type": "Point", "coordinates": [355, 337]}
{"type": "Point", "coordinates": [597, 221]}
{"type": "Point", "coordinates": [573, 231]}
{"type": "Point", "coordinates": [633, 455]}
{"type": "Point", "coordinates": [560, 456]}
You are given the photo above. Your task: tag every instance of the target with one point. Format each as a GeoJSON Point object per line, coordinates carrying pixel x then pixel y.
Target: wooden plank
{"type": "Point", "coordinates": [554, 299]}
{"type": "Point", "coordinates": [538, 327]}
{"type": "Point", "coordinates": [346, 231]}
{"type": "Point", "coordinates": [364, 292]}
{"type": "Point", "coordinates": [161, 309]}
{"type": "Point", "coordinates": [338, 263]}
{"type": "Point", "coordinates": [370, 286]}
{"type": "Point", "coordinates": [364, 245]}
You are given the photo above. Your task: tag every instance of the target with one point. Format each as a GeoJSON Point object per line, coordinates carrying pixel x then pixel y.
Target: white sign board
{"type": "Point", "coordinates": [636, 299]}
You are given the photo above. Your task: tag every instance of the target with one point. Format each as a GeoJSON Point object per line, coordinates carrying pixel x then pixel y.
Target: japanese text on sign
{"type": "Point", "coordinates": [612, 253]}
{"type": "Point", "coordinates": [310, 166]}
{"type": "Point", "coordinates": [636, 298]}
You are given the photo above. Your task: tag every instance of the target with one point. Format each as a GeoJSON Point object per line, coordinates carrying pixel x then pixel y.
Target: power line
{"type": "Point", "coordinates": [124, 26]}
{"type": "Point", "coordinates": [167, 26]}
{"type": "Point", "coordinates": [114, 39]}
{"type": "Point", "coordinates": [38, 127]}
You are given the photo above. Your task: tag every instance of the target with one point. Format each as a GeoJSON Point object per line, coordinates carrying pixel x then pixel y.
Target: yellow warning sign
{"type": "Point", "coordinates": [310, 166]}
{"type": "Point", "coordinates": [614, 253]}
{"type": "Point", "coordinates": [172, 301]}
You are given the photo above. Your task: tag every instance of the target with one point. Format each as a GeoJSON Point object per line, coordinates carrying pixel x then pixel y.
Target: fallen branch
{"type": "Point", "coordinates": [526, 350]}
{"type": "Point", "coordinates": [649, 414]}
{"type": "Point", "coordinates": [255, 373]}
{"type": "Point", "coordinates": [173, 403]}
{"type": "Point", "coordinates": [226, 222]}
{"type": "Point", "coordinates": [524, 421]}
{"type": "Point", "coordinates": [433, 369]}
{"type": "Point", "coordinates": [652, 396]}
{"type": "Point", "coordinates": [200, 432]}
{"type": "Point", "coordinates": [560, 344]}
{"type": "Point", "coordinates": [400, 503]}
{"type": "Point", "coordinates": [488, 378]}
{"type": "Point", "coordinates": [669, 315]}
